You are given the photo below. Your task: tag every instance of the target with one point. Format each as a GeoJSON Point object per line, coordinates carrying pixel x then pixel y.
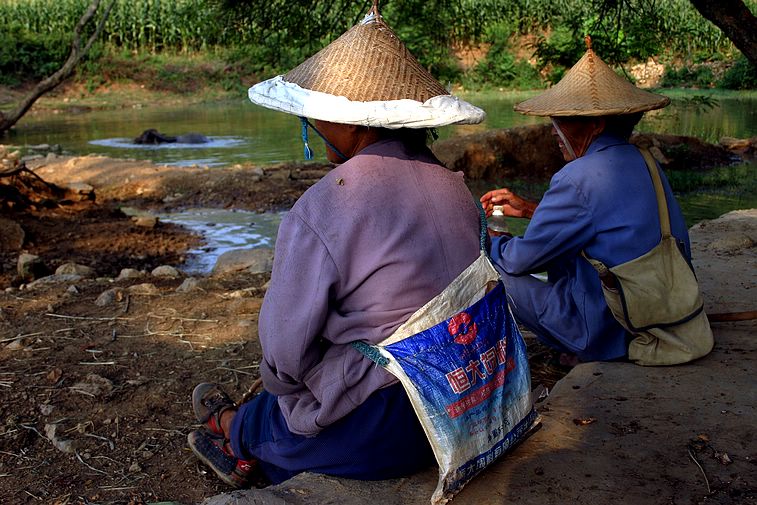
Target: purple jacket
{"type": "Point", "coordinates": [360, 251]}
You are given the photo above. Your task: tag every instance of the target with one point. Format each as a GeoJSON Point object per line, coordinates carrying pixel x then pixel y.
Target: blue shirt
{"type": "Point", "coordinates": [604, 204]}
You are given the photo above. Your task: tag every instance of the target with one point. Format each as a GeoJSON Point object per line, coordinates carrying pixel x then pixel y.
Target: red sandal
{"type": "Point", "coordinates": [213, 450]}
{"type": "Point", "coordinates": [209, 401]}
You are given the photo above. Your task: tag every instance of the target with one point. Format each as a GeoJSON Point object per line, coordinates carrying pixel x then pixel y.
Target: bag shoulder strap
{"type": "Point", "coordinates": [662, 204]}
{"type": "Point", "coordinates": [662, 207]}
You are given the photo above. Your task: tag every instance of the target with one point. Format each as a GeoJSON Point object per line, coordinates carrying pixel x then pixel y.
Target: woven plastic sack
{"type": "Point", "coordinates": [463, 364]}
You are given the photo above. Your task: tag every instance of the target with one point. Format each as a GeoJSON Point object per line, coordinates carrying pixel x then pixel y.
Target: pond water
{"type": "Point", "coordinates": [242, 132]}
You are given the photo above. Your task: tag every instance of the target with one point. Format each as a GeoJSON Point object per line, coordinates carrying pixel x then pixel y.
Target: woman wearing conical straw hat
{"type": "Point", "coordinates": [364, 248]}
{"type": "Point", "coordinates": [602, 205]}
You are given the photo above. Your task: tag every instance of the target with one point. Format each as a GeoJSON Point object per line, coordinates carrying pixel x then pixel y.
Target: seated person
{"type": "Point", "coordinates": [379, 236]}
{"type": "Point", "coordinates": [602, 203]}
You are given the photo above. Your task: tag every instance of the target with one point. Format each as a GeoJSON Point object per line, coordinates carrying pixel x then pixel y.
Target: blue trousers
{"type": "Point", "coordinates": [381, 439]}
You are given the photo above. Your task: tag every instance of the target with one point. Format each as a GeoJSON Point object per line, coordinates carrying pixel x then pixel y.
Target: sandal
{"type": "Point", "coordinates": [209, 401]}
{"type": "Point", "coordinates": [213, 451]}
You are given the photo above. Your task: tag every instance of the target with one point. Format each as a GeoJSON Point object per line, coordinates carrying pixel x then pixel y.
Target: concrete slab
{"type": "Point", "coordinates": [617, 432]}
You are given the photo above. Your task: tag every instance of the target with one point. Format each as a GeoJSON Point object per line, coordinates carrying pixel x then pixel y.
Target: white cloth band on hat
{"type": "Point", "coordinates": [441, 110]}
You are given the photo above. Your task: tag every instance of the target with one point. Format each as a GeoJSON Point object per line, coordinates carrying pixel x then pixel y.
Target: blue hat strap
{"type": "Point", "coordinates": [308, 152]}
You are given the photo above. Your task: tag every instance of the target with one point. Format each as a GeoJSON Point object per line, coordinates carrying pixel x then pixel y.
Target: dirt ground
{"type": "Point", "coordinates": [96, 399]}
{"type": "Point", "coordinates": [96, 396]}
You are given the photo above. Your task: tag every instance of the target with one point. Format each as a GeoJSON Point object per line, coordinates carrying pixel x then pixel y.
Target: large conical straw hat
{"type": "Point", "coordinates": [367, 76]}
{"type": "Point", "coordinates": [591, 88]}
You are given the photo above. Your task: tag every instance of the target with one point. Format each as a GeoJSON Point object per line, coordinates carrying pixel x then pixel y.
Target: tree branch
{"type": "Point", "coordinates": [49, 83]}
{"type": "Point", "coordinates": [737, 22]}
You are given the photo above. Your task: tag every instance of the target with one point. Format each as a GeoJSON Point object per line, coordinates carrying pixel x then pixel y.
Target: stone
{"type": "Point", "coordinates": [109, 297]}
{"type": "Point", "coordinates": [79, 191]}
{"type": "Point", "coordinates": [30, 267]}
{"type": "Point", "coordinates": [94, 385]}
{"type": "Point", "coordinates": [15, 345]}
{"type": "Point", "coordinates": [145, 221]}
{"type": "Point", "coordinates": [256, 261]}
{"type": "Point", "coordinates": [76, 269]}
{"type": "Point", "coordinates": [129, 273]}
{"type": "Point", "coordinates": [166, 271]}
{"type": "Point", "coordinates": [190, 284]}
{"type": "Point", "coordinates": [53, 279]}
{"type": "Point", "coordinates": [12, 235]}
{"type": "Point", "coordinates": [145, 289]}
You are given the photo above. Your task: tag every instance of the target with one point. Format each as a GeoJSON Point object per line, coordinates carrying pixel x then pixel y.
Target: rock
{"type": "Point", "coordinates": [15, 345]}
{"type": "Point", "coordinates": [63, 445]}
{"type": "Point", "coordinates": [501, 154]}
{"type": "Point", "coordinates": [145, 289]}
{"type": "Point", "coordinates": [746, 148]}
{"type": "Point", "coordinates": [166, 271]}
{"type": "Point", "coordinates": [79, 191]}
{"type": "Point", "coordinates": [129, 273]}
{"type": "Point", "coordinates": [12, 235]}
{"type": "Point", "coordinates": [53, 279]}
{"type": "Point", "coordinates": [76, 269]}
{"type": "Point", "coordinates": [109, 297]}
{"type": "Point", "coordinates": [145, 221]}
{"type": "Point", "coordinates": [731, 243]}
{"type": "Point", "coordinates": [30, 267]}
{"type": "Point", "coordinates": [190, 284]}
{"type": "Point", "coordinates": [255, 261]}
{"type": "Point", "coordinates": [72, 290]}
{"type": "Point", "coordinates": [94, 385]}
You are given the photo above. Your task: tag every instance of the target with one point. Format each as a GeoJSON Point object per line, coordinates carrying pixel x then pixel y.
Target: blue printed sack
{"type": "Point", "coordinates": [463, 364]}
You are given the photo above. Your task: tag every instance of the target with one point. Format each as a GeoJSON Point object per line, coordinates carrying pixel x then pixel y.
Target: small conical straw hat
{"type": "Point", "coordinates": [591, 88]}
{"type": "Point", "coordinates": [367, 63]}
{"type": "Point", "coordinates": [365, 77]}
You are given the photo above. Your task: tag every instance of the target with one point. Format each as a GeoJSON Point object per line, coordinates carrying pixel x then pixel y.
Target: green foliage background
{"type": "Point", "coordinates": [265, 37]}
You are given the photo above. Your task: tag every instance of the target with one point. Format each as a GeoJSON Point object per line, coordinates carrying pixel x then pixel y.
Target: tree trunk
{"type": "Point", "coordinates": [737, 22]}
{"type": "Point", "coordinates": [77, 53]}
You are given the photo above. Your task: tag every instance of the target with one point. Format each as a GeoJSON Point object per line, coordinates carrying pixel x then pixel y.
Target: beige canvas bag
{"type": "Point", "coordinates": [656, 297]}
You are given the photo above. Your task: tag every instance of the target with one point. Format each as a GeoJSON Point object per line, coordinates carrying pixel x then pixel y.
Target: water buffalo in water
{"type": "Point", "coordinates": [153, 136]}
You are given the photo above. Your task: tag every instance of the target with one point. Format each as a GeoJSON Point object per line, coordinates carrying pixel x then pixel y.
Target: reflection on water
{"type": "Point", "coordinates": [224, 230]}
{"type": "Point", "coordinates": [244, 132]}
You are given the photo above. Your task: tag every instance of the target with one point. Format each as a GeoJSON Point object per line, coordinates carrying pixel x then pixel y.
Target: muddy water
{"type": "Point", "coordinates": [224, 230]}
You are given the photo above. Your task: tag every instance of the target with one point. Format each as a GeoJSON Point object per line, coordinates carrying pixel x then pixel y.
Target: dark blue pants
{"type": "Point", "coordinates": [381, 439]}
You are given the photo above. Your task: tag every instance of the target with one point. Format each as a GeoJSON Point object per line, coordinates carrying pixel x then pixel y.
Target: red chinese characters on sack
{"type": "Point", "coordinates": [462, 329]}
{"type": "Point", "coordinates": [461, 379]}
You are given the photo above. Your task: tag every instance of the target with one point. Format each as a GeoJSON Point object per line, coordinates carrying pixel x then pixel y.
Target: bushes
{"type": "Point", "coordinates": [25, 55]}
{"type": "Point", "coordinates": [699, 76]}
{"type": "Point", "coordinates": [742, 75]}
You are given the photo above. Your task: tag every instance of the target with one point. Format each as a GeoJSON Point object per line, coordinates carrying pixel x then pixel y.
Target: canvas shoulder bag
{"type": "Point", "coordinates": [656, 296]}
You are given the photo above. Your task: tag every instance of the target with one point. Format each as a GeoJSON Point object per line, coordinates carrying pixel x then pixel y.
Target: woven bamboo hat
{"type": "Point", "coordinates": [591, 88]}
{"type": "Point", "coordinates": [367, 76]}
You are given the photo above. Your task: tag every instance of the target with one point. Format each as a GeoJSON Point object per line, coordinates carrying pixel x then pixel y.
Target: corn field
{"type": "Point", "coordinates": [182, 25]}
{"type": "Point", "coordinates": [152, 25]}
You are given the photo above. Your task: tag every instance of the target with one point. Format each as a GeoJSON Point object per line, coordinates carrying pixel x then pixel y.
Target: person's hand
{"type": "Point", "coordinates": [512, 204]}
